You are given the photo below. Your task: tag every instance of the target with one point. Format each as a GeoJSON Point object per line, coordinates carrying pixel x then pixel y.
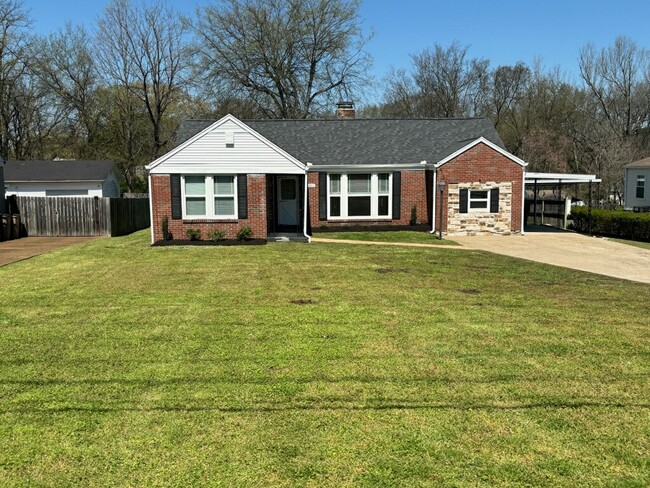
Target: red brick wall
{"type": "Point", "coordinates": [482, 164]}
{"type": "Point", "coordinates": [413, 193]}
{"type": "Point", "coordinates": [162, 206]}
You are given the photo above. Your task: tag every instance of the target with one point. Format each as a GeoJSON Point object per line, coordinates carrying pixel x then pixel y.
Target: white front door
{"type": "Point", "coordinates": [287, 200]}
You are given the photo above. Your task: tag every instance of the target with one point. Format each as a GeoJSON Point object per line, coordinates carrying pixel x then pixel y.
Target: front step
{"type": "Point", "coordinates": [283, 237]}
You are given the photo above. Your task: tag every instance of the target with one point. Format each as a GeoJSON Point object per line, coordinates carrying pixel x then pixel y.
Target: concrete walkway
{"type": "Point", "coordinates": [569, 250]}
{"type": "Point", "coordinates": [383, 243]}
{"type": "Point", "coordinates": [27, 247]}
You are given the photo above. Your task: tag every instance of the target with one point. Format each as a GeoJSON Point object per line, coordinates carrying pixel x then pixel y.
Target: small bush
{"type": "Point", "coordinates": [217, 235]}
{"type": "Point", "coordinates": [613, 223]}
{"type": "Point", "coordinates": [165, 228]}
{"type": "Point", "coordinates": [244, 233]}
{"type": "Point", "coordinates": [414, 215]}
{"type": "Point", "coordinates": [193, 234]}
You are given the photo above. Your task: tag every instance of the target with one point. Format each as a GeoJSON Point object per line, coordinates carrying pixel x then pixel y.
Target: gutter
{"type": "Point", "coordinates": [434, 200]}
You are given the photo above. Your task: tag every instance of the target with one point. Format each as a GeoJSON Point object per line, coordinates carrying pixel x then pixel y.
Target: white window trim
{"type": "Point", "coordinates": [486, 200]}
{"type": "Point", "coordinates": [640, 179]}
{"type": "Point", "coordinates": [374, 197]}
{"type": "Point", "coordinates": [209, 199]}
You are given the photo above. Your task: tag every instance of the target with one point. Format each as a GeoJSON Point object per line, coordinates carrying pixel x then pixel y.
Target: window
{"type": "Point", "coordinates": [359, 195]}
{"type": "Point", "coordinates": [209, 196]}
{"type": "Point", "coordinates": [640, 186]}
{"type": "Point", "coordinates": [479, 200]}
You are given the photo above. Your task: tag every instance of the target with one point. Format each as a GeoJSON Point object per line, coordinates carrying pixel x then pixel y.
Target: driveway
{"type": "Point", "coordinates": [569, 250]}
{"type": "Point", "coordinates": [19, 249]}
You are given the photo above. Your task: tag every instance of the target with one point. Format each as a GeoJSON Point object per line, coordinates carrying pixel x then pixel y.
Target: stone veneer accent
{"type": "Point", "coordinates": [483, 222]}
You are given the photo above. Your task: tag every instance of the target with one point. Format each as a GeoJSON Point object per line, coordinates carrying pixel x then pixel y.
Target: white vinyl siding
{"type": "Point", "coordinates": [211, 153]}
{"type": "Point", "coordinates": [212, 196]}
{"type": "Point", "coordinates": [359, 196]}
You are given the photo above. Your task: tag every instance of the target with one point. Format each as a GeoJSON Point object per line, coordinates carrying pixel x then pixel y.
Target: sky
{"type": "Point", "coordinates": [503, 32]}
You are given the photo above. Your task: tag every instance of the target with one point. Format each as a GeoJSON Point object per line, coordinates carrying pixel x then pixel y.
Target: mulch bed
{"type": "Point", "coordinates": [226, 242]}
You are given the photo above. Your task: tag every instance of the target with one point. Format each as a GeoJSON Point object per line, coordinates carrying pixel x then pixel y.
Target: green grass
{"type": "Point", "coordinates": [319, 365]}
{"type": "Point", "coordinates": [642, 245]}
{"type": "Point", "coordinates": [388, 236]}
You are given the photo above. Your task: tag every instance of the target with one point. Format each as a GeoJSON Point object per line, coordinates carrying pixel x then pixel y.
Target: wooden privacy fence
{"type": "Point", "coordinates": [548, 212]}
{"type": "Point", "coordinates": [82, 216]}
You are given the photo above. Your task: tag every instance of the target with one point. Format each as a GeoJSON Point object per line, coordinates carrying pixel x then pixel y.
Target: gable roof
{"type": "Point", "coordinates": [641, 163]}
{"type": "Point", "coordinates": [50, 171]}
{"type": "Point", "coordinates": [364, 141]}
{"type": "Point", "coordinates": [482, 140]}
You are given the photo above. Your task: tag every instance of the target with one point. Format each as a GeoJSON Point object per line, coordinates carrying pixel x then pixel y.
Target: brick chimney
{"type": "Point", "coordinates": [345, 110]}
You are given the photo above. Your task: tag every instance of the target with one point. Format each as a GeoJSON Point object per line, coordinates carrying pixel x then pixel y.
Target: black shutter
{"type": "Point", "coordinates": [494, 200]}
{"type": "Point", "coordinates": [397, 195]}
{"type": "Point", "coordinates": [242, 196]}
{"type": "Point", "coordinates": [175, 190]}
{"type": "Point", "coordinates": [322, 196]}
{"type": "Point", "coordinates": [463, 200]}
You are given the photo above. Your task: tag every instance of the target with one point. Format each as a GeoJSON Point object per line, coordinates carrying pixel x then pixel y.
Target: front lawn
{"type": "Point", "coordinates": [319, 365]}
{"type": "Point", "coordinates": [410, 236]}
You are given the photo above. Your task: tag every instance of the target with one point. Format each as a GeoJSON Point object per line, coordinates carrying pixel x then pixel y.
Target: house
{"type": "Point", "coordinates": [286, 176]}
{"type": "Point", "coordinates": [3, 206]}
{"type": "Point", "coordinates": [637, 177]}
{"type": "Point", "coordinates": [69, 178]}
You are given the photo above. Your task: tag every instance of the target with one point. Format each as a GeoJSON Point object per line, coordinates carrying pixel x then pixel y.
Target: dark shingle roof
{"type": "Point", "coordinates": [364, 141]}
{"type": "Point", "coordinates": [73, 170]}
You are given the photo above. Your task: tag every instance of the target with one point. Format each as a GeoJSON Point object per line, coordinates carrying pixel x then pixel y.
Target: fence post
{"type": "Point", "coordinates": [567, 211]}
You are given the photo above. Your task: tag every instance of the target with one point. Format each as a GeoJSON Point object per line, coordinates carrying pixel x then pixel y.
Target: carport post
{"type": "Point", "coordinates": [590, 207]}
{"type": "Point", "coordinates": [535, 200]}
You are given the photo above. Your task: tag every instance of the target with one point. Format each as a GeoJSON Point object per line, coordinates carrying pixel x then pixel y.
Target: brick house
{"type": "Point", "coordinates": [285, 177]}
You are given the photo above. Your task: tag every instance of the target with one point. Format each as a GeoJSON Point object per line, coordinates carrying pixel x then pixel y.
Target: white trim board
{"type": "Point", "coordinates": [491, 145]}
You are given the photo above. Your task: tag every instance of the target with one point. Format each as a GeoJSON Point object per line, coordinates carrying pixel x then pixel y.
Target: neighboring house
{"type": "Point", "coordinates": [3, 207]}
{"type": "Point", "coordinates": [66, 178]}
{"type": "Point", "coordinates": [637, 179]}
{"type": "Point", "coordinates": [281, 176]}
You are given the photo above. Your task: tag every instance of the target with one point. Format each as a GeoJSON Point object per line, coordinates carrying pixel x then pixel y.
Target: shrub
{"type": "Point", "coordinates": [217, 235]}
{"type": "Point", "coordinates": [244, 233]}
{"type": "Point", "coordinates": [194, 234]}
{"type": "Point", "coordinates": [613, 223]}
{"type": "Point", "coordinates": [414, 215]}
{"type": "Point", "coordinates": [165, 228]}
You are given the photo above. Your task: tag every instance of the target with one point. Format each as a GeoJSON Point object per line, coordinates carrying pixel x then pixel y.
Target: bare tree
{"type": "Point", "coordinates": [14, 24]}
{"type": "Point", "coordinates": [443, 82]}
{"type": "Point", "coordinates": [64, 63]}
{"type": "Point", "coordinates": [143, 50]}
{"type": "Point", "coordinates": [289, 57]}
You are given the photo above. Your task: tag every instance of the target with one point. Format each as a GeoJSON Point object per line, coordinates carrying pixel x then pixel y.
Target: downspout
{"type": "Point", "coordinates": [433, 204]}
{"type": "Point", "coordinates": [151, 208]}
{"type": "Point", "coordinates": [305, 204]}
{"type": "Point", "coordinates": [523, 201]}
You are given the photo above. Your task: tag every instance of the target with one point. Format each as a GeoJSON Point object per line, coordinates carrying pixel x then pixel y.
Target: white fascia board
{"type": "Point", "coordinates": [488, 143]}
{"type": "Point", "coordinates": [541, 177]}
{"type": "Point", "coordinates": [218, 123]}
{"type": "Point", "coordinates": [530, 181]}
{"type": "Point", "coordinates": [364, 167]}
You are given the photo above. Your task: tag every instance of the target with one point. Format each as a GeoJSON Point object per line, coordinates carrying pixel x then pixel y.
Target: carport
{"type": "Point", "coordinates": [559, 208]}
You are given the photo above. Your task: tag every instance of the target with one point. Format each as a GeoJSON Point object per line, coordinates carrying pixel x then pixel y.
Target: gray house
{"type": "Point", "coordinates": [637, 177]}
{"type": "Point", "coordinates": [64, 178]}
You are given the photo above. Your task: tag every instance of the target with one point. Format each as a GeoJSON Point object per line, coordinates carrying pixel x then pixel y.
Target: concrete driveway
{"type": "Point", "coordinates": [569, 250]}
{"type": "Point", "coordinates": [19, 249]}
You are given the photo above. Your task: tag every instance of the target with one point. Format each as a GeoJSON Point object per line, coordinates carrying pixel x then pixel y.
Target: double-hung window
{"type": "Point", "coordinates": [479, 200]}
{"type": "Point", "coordinates": [359, 195]}
{"type": "Point", "coordinates": [209, 196]}
{"type": "Point", "coordinates": [640, 186]}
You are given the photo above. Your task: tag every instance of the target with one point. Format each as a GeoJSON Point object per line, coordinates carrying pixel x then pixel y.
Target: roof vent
{"type": "Point", "coordinates": [345, 110]}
